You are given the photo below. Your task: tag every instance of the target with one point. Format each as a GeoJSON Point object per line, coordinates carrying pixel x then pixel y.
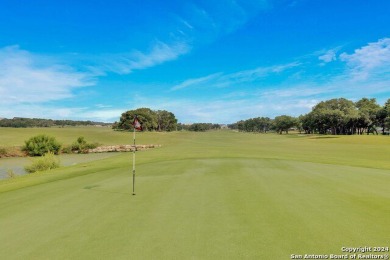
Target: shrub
{"type": "Point", "coordinates": [11, 174]}
{"type": "Point", "coordinates": [66, 149]}
{"type": "Point", "coordinates": [3, 152]}
{"type": "Point", "coordinates": [81, 145]}
{"type": "Point", "coordinates": [41, 144]}
{"type": "Point", "coordinates": [43, 163]}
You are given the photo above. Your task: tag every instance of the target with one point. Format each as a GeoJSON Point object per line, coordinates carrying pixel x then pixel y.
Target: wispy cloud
{"type": "Point", "coordinates": [203, 22]}
{"type": "Point", "coordinates": [244, 76]}
{"type": "Point", "coordinates": [196, 81]}
{"type": "Point", "coordinates": [257, 73]}
{"type": "Point", "coordinates": [28, 78]}
{"type": "Point", "coordinates": [125, 63]}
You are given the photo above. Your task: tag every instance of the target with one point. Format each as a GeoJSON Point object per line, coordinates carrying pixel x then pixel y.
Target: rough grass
{"type": "Point", "coordinates": [11, 152]}
{"type": "Point", "coordinates": [214, 195]}
{"type": "Point", "coordinates": [66, 135]}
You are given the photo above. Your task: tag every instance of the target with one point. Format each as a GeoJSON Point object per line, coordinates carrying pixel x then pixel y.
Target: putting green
{"type": "Point", "coordinates": [202, 209]}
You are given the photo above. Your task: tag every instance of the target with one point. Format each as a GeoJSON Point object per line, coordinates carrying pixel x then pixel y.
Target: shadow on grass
{"type": "Point", "coordinates": [92, 188]}
{"type": "Point", "coordinates": [324, 137]}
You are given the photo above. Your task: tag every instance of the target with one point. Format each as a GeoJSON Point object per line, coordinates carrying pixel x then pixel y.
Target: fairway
{"type": "Point", "coordinates": [213, 195]}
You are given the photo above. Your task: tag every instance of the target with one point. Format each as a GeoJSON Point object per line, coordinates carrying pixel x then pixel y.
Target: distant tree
{"type": "Point", "coordinates": [337, 116]}
{"type": "Point", "coordinates": [233, 126]}
{"type": "Point", "coordinates": [201, 127]}
{"type": "Point", "coordinates": [114, 125]}
{"type": "Point", "coordinates": [181, 127]}
{"type": "Point", "coordinates": [258, 124]}
{"type": "Point", "coordinates": [38, 122]}
{"type": "Point", "coordinates": [368, 112]}
{"type": "Point", "coordinates": [284, 123]}
{"type": "Point", "coordinates": [160, 120]}
{"type": "Point", "coordinates": [241, 125]}
{"type": "Point", "coordinates": [384, 116]}
{"type": "Point", "coordinates": [166, 121]}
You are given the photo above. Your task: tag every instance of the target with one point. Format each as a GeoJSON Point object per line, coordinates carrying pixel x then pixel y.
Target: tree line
{"type": "Point", "coordinates": [199, 127]}
{"type": "Point", "coordinates": [342, 116]}
{"type": "Point", "coordinates": [21, 122]}
{"type": "Point", "coordinates": [279, 124]}
{"type": "Point", "coordinates": [337, 116]}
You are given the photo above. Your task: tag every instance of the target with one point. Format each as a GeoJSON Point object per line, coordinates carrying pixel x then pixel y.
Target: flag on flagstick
{"type": "Point", "coordinates": [137, 126]}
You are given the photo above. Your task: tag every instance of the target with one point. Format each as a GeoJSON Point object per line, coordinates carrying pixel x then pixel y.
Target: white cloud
{"type": "Point", "coordinates": [104, 115]}
{"type": "Point", "coordinates": [27, 78]}
{"type": "Point", "coordinates": [28, 81]}
{"type": "Point", "coordinates": [61, 112]}
{"type": "Point", "coordinates": [370, 60]}
{"type": "Point", "coordinates": [328, 56]}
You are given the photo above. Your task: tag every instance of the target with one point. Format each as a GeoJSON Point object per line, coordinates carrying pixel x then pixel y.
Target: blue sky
{"type": "Point", "coordinates": [205, 61]}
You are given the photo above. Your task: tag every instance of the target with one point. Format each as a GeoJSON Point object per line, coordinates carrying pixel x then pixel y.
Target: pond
{"type": "Point", "coordinates": [17, 164]}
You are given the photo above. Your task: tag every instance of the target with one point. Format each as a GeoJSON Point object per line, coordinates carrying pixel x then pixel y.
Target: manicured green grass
{"type": "Point", "coordinates": [214, 195]}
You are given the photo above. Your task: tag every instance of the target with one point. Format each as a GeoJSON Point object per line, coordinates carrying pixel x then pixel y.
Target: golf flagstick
{"type": "Point", "coordinates": [134, 162]}
{"type": "Point", "coordinates": [137, 126]}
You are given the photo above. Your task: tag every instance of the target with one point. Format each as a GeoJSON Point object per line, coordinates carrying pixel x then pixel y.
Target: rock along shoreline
{"type": "Point", "coordinates": [122, 148]}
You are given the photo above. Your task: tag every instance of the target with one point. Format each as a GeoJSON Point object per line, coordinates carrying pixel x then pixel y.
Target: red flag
{"type": "Point", "coordinates": [137, 124]}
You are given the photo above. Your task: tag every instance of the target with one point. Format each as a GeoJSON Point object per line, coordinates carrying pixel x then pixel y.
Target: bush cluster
{"type": "Point", "coordinates": [46, 162]}
{"type": "Point", "coordinates": [80, 146]}
{"type": "Point", "coordinates": [41, 144]}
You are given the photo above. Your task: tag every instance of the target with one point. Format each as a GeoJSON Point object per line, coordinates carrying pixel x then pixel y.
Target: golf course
{"type": "Point", "coordinates": [202, 195]}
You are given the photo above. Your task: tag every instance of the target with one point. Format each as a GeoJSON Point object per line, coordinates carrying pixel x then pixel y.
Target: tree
{"type": "Point", "coordinates": [284, 123]}
{"type": "Point", "coordinates": [383, 116]}
{"type": "Point", "coordinates": [258, 124]}
{"type": "Point", "coordinates": [368, 112]}
{"type": "Point", "coordinates": [166, 121]}
{"type": "Point", "coordinates": [337, 116]}
{"type": "Point", "coordinates": [160, 120]}
{"type": "Point", "coordinates": [201, 127]}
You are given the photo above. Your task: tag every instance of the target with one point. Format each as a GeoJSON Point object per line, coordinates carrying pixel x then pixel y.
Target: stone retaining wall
{"type": "Point", "coordinates": [122, 148]}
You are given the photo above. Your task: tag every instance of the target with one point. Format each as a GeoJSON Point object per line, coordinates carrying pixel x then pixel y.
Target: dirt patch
{"type": "Point", "coordinates": [6, 152]}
